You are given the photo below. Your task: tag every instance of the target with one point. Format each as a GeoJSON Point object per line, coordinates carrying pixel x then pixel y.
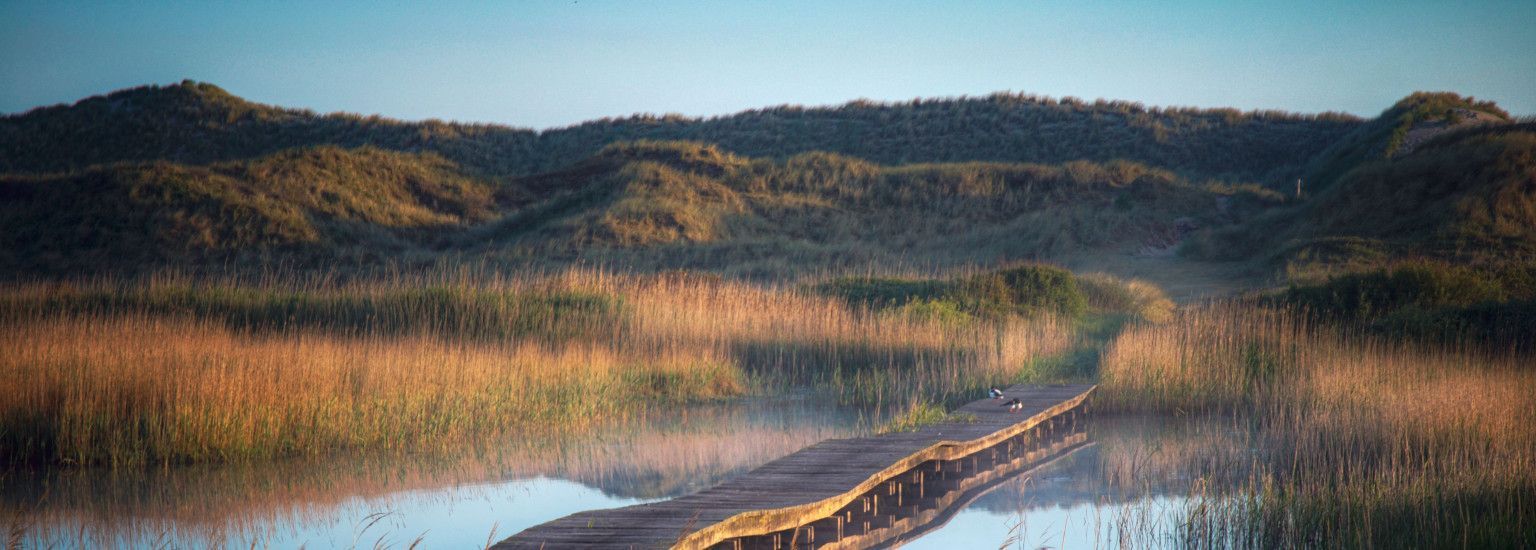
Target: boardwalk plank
{"type": "Point", "coordinates": [800, 487]}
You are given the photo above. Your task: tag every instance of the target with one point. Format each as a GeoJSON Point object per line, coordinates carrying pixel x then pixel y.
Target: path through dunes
{"type": "Point", "coordinates": [827, 482]}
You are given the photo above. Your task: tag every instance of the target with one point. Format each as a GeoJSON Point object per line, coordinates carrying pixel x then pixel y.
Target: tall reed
{"type": "Point", "coordinates": [175, 370]}
{"type": "Point", "coordinates": [1359, 441]}
{"type": "Point", "coordinates": [147, 389]}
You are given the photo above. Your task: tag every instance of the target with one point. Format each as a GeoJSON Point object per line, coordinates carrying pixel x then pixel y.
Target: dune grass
{"type": "Point", "coordinates": [165, 371]}
{"type": "Point", "coordinates": [1358, 441]}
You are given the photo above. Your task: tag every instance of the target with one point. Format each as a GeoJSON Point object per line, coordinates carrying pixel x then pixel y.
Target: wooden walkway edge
{"type": "Point", "coordinates": [813, 483]}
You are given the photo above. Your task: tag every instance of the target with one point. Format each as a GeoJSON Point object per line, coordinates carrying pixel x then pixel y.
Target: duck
{"type": "Point", "coordinates": [996, 393]}
{"type": "Point", "coordinates": [1014, 405]}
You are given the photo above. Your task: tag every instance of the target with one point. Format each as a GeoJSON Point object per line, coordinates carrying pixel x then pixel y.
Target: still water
{"type": "Point", "coordinates": [1126, 488]}
{"type": "Point", "coordinates": [458, 502]}
{"type": "Point", "coordinates": [1075, 501]}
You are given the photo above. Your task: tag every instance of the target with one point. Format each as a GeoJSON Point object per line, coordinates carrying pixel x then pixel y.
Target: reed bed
{"type": "Point", "coordinates": [122, 390]}
{"type": "Point", "coordinates": [169, 370]}
{"type": "Point", "coordinates": [862, 356]}
{"type": "Point", "coordinates": [1356, 441]}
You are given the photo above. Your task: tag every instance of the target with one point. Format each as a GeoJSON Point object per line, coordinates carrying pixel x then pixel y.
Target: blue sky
{"type": "Point", "coordinates": [545, 64]}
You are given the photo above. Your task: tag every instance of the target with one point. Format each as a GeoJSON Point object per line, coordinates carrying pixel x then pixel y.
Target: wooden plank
{"type": "Point", "coordinates": [802, 487]}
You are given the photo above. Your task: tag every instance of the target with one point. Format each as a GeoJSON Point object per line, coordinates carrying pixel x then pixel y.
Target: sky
{"type": "Point", "coordinates": [551, 64]}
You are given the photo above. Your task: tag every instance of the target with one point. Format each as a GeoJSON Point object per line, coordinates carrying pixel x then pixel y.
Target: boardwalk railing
{"type": "Point", "coordinates": [923, 499]}
{"type": "Point", "coordinates": [829, 495]}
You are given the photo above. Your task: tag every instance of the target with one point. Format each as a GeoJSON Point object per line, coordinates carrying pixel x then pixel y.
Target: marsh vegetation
{"type": "Point", "coordinates": [1357, 431]}
{"type": "Point", "coordinates": [1360, 440]}
{"type": "Point", "coordinates": [192, 281]}
{"type": "Point", "coordinates": [170, 371]}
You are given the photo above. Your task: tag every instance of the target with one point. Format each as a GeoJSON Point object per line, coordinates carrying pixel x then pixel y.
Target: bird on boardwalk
{"type": "Point", "coordinates": [996, 393]}
{"type": "Point", "coordinates": [1014, 405]}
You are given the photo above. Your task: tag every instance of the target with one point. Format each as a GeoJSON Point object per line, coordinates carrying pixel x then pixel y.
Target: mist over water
{"type": "Point", "coordinates": [1129, 486]}
{"type": "Point", "coordinates": [450, 502]}
{"type": "Point", "coordinates": [1132, 477]}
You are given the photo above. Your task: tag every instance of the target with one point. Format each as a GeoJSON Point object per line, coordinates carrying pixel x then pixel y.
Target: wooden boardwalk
{"type": "Point", "coordinates": [823, 481]}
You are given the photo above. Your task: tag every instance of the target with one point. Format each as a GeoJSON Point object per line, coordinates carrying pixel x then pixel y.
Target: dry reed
{"type": "Point", "coordinates": [1363, 442]}
{"type": "Point", "coordinates": [171, 370]}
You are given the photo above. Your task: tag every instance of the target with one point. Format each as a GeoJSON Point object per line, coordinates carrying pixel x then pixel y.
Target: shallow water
{"type": "Point", "coordinates": [452, 502]}
{"type": "Point", "coordinates": [1127, 488]}
{"type": "Point", "coordinates": [1128, 481]}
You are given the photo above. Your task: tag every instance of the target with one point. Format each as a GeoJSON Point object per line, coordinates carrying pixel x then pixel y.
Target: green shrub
{"type": "Point", "coordinates": [884, 292]}
{"type": "Point", "coordinates": [1372, 294]}
{"type": "Point", "coordinates": [1430, 301]}
{"type": "Point", "coordinates": [1495, 325]}
{"type": "Point", "coordinates": [943, 311]}
{"type": "Point", "coordinates": [1027, 290]}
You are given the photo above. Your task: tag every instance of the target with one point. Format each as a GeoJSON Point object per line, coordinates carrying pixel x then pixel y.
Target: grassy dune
{"type": "Point", "coordinates": [169, 372]}
{"type": "Point", "coordinates": [1360, 441]}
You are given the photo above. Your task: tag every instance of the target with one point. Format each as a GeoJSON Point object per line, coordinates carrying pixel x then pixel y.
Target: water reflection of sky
{"type": "Point", "coordinates": [1073, 502]}
{"type": "Point", "coordinates": [1132, 480]}
{"type": "Point", "coordinates": [454, 517]}
{"type": "Point", "coordinates": [1075, 526]}
{"type": "Point", "coordinates": [450, 502]}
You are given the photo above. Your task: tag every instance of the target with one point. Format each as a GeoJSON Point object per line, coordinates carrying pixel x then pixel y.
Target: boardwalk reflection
{"type": "Point", "coordinates": [458, 500]}
{"type": "Point", "coordinates": [1134, 479]}
{"type": "Point", "coordinates": [319, 503]}
{"type": "Point", "coordinates": [922, 499]}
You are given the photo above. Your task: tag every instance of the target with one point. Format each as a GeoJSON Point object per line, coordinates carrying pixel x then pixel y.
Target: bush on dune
{"type": "Point", "coordinates": [1431, 301]}
{"type": "Point", "coordinates": [1025, 291]}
